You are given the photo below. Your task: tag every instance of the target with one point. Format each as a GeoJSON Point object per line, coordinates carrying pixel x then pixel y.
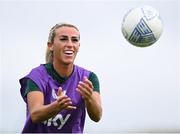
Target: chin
{"type": "Point", "coordinates": [68, 62]}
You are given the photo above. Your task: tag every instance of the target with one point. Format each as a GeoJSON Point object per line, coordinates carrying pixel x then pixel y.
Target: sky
{"type": "Point", "coordinates": [140, 87]}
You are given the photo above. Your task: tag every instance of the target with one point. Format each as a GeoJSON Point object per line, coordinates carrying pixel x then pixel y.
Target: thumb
{"type": "Point", "coordinates": [59, 91]}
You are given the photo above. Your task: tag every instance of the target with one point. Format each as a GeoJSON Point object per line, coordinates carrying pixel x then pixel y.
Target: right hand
{"type": "Point", "coordinates": [64, 102]}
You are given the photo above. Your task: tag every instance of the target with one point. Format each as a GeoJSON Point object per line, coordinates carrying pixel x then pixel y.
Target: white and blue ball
{"type": "Point", "coordinates": [142, 26]}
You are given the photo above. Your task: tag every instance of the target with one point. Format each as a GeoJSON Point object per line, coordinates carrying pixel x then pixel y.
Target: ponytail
{"type": "Point", "coordinates": [49, 55]}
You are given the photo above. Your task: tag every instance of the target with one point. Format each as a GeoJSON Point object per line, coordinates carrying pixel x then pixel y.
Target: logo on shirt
{"type": "Point", "coordinates": [54, 95]}
{"type": "Point", "coordinates": [54, 121]}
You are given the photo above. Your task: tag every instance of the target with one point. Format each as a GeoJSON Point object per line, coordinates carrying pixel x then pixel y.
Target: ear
{"type": "Point", "coordinates": [50, 46]}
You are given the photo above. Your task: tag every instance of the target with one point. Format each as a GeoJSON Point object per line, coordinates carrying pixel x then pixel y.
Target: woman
{"type": "Point", "coordinates": [58, 93]}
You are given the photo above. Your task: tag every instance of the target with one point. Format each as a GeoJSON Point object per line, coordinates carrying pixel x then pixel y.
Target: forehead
{"type": "Point", "coordinates": [67, 31]}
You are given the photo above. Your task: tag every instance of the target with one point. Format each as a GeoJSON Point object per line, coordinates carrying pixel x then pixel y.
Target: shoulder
{"type": "Point", "coordinates": [37, 74]}
{"type": "Point", "coordinates": [80, 68]}
{"type": "Point", "coordinates": [39, 70]}
{"type": "Point", "coordinates": [81, 71]}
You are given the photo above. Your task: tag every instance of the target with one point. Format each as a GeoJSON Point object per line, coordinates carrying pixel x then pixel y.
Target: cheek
{"type": "Point", "coordinates": [58, 46]}
{"type": "Point", "coordinates": [77, 47]}
{"type": "Point", "coordinates": [57, 50]}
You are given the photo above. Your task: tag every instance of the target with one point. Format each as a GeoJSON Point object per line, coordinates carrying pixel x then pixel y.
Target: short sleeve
{"type": "Point", "coordinates": [94, 79]}
{"type": "Point", "coordinates": [31, 86]}
{"type": "Point", "coordinates": [39, 78]}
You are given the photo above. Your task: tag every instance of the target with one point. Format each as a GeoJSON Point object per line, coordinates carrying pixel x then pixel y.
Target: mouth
{"type": "Point", "coordinates": [69, 52]}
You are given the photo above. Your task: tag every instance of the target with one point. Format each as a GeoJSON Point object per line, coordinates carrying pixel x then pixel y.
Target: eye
{"type": "Point", "coordinates": [63, 39]}
{"type": "Point", "coordinates": [75, 40]}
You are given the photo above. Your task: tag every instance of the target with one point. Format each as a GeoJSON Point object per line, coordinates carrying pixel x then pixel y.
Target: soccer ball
{"type": "Point", "coordinates": [142, 26]}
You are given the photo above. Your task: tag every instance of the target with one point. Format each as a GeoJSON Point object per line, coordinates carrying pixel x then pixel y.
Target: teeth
{"type": "Point", "coordinates": [68, 52]}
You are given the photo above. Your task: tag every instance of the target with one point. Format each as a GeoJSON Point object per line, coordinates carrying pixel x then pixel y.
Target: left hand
{"type": "Point", "coordinates": [85, 88]}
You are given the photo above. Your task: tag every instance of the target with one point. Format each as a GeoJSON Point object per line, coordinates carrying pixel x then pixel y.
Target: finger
{"type": "Point", "coordinates": [85, 92]}
{"type": "Point", "coordinates": [68, 105]}
{"type": "Point", "coordinates": [64, 103]}
{"type": "Point", "coordinates": [66, 100]}
{"type": "Point", "coordinates": [81, 93]}
{"type": "Point", "coordinates": [71, 108]}
{"type": "Point", "coordinates": [85, 87]}
{"type": "Point", "coordinates": [59, 91]}
{"type": "Point", "coordinates": [61, 98]}
{"type": "Point", "coordinates": [88, 82]}
{"type": "Point", "coordinates": [82, 89]}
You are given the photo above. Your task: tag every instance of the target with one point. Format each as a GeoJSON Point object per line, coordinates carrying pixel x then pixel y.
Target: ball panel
{"type": "Point", "coordinates": [142, 35]}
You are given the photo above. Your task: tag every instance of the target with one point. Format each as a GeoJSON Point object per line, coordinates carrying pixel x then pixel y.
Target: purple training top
{"type": "Point", "coordinates": [66, 121]}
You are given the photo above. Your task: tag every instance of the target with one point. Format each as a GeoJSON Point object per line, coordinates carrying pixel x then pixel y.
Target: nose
{"type": "Point", "coordinates": [69, 43]}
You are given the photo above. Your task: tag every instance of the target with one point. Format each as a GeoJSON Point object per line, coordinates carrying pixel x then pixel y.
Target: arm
{"type": "Point", "coordinates": [40, 112]}
{"type": "Point", "coordinates": [94, 108]}
{"type": "Point", "coordinates": [92, 99]}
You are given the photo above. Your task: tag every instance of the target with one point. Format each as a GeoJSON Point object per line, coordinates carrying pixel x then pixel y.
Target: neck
{"type": "Point", "coordinates": [63, 70]}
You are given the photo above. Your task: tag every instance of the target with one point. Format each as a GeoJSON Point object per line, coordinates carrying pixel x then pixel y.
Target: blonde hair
{"type": "Point", "coordinates": [52, 34]}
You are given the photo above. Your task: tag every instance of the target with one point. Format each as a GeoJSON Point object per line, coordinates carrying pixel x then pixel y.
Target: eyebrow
{"type": "Point", "coordinates": [74, 37]}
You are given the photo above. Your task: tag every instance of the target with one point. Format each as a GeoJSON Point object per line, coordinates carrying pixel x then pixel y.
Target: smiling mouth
{"type": "Point", "coordinates": [69, 52]}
